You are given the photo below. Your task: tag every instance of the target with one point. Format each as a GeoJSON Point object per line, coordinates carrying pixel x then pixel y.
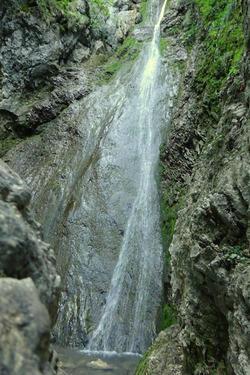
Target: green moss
{"type": "Point", "coordinates": [135, 54]}
{"type": "Point", "coordinates": [128, 51]}
{"type": "Point", "coordinates": [169, 215]}
{"type": "Point", "coordinates": [169, 316]}
{"type": "Point", "coordinates": [114, 67]}
{"type": "Point", "coordinates": [111, 70]}
{"type": "Point", "coordinates": [25, 7]}
{"type": "Point", "coordinates": [50, 9]}
{"type": "Point", "coordinates": [127, 44]}
{"type": "Point", "coordinates": [99, 12]}
{"type": "Point", "coordinates": [144, 11]}
{"type": "Point", "coordinates": [163, 44]}
{"type": "Point", "coordinates": [142, 366]}
{"type": "Point", "coordinates": [223, 45]}
{"type": "Point", "coordinates": [8, 144]}
{"type": "Point", "coordinates": [237, 255]}
{"type": "Point", "coordinates": [190, 35]}
{"type": "Point", "coordinates": [62, 28]}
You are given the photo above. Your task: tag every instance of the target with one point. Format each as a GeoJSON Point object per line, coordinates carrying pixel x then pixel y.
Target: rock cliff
{"type": "Point", "coordinates": [42, 48]}
{"type": "Point", "coordinates": [51, 58]}
{"type": "Point", "coordinates": [29, 284]}
{"type": "Point", "coordinates": [206, 188]}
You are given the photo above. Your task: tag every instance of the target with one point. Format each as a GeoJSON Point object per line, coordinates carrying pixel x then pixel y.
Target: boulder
{"type": "Point", "coordinates": [24, 329]}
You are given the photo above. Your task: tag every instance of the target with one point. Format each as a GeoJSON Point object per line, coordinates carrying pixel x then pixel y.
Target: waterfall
{"type": "Point", "coordinates": [93, 177]}
{"type": "Point", "coordinates": [128, 317]}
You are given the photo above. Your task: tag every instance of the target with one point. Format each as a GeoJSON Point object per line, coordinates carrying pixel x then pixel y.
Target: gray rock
{"type": "Point", "coordinates": [80, 54]}
{"type": "Point", "coordinates": [24, 329]}
{"type": "Point", "coordinates": [210, 247]}
{"type": "Point", "coordinates": [20, 121]}
{"type": "Point", "coordinates": [22, 251]}
{"type": "Point", "coordinates": [165, 356]}
{"type": "Point", "coordinates": [119, 24]}
{"type": "Point", "coordinates": [31, 50]}
{"type": "Point", "coordinates": [99, 47]}
{"type": "Point", "coordinates": [143, 33]}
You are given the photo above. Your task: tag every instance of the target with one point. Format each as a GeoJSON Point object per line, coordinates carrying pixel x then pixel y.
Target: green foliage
{"type": "Point", "coordinates": [7, 144]}
{"type": "Point", "coordinates": [144, 11]}
{"type": "Point", "coordinates": [99, 12]}
{"type": "Point", "coordinates": [223, 45]}
{"type": "Point", "coordinates": [191, 35]}
{"type": "Point", "coordinates": [25, 7]}
{"type": "Point", "coordinates": [169, 215]}
{"type": "Point", "coordinates": [128, 51]}
{"type": "Point", "coordinates": [169, 316]}
{"type": "Point", "coordinates": [126, 46]}
{"type": "Point", "coordinates": [236, 254]}
{"type": "Point", "coordinates": [163, 44]}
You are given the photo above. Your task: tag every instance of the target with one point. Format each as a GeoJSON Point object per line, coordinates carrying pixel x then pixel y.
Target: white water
{"type": "Point", "coordinates": [129, 315]}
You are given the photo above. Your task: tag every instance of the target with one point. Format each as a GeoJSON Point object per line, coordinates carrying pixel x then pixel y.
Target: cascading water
{"type": "Point", "coordinates": [128, 318]}
{"type": "Point", "coordinates": [97, 169]}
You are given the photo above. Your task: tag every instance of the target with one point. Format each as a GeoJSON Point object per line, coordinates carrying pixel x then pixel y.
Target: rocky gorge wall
{"type": "Point", "coordinates": [206, 186]}
{"type": "Point", "coordinates": [42, 48]}
{"type": "Point", "coordinates": [29, 284]}
{"type": "Point", "coordinates": [48, 64]}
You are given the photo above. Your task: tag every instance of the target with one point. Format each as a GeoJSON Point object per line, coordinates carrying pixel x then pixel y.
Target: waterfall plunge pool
{"type": "Point", "coordinates": [80, 362]}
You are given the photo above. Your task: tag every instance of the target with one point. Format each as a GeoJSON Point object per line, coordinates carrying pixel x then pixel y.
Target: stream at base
{"type": "Point", "coordinates": [76, 362]}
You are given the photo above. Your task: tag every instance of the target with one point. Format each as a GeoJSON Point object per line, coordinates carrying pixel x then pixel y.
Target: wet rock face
{"type": "Point", "coordinates": [246, 29]}
{"type": "Point", "coordinates": [39, 80]}
{"type": "Point", "coordinates": [25, 304]}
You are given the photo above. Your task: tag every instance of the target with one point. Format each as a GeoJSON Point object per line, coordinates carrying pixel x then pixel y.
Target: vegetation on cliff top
{"type": "Point", "coordinates": [96, 12]}
{"type": "Point", "coordinates": [222, 45]}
